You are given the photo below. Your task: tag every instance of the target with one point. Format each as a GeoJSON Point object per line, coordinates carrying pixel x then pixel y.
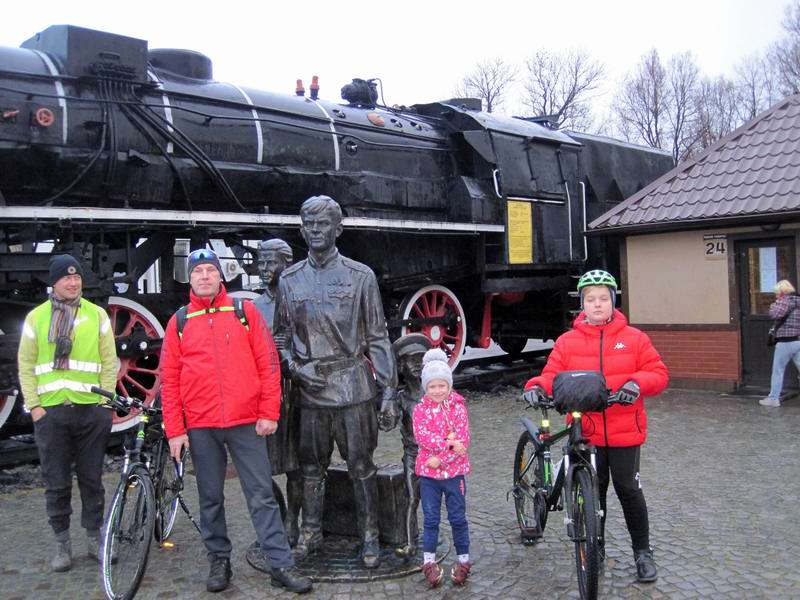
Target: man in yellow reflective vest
{"type": "Point", "coordinates": [67, 346]}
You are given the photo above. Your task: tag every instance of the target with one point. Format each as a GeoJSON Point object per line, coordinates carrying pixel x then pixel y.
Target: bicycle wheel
{"type": "Point", "coordinates": [585, 523]}
{"type": "Point", "coordinates": [128, 534]}
{"type": "Point", "coordinates": [530, 492]}
{"type": "Point", "coordinates": [168, 485]}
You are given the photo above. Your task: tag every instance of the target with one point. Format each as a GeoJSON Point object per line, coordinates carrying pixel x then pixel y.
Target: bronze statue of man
{"type": "Point", "coordinates": [339, 354]}
{"type": "Point", "coordinates": [408, 352]}
{"type": "Point", "coordinates": [273, 257]}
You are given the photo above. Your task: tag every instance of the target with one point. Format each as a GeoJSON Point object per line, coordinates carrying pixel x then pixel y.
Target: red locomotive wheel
{"type": "Point", "coordinates": [138, 377]}
{"type": "Point", "coordinates": [449, 331]}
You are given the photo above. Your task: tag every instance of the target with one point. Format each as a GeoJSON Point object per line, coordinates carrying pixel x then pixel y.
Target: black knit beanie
{"type": "Point", "coordinates": [62, 265]}
{"type": "Point", "coordinates": [203, 256]}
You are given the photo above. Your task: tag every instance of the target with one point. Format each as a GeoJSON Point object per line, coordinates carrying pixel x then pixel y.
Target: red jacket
{"type": "Point", "coordinates": [218, 374]}
{"type": "Point", "coordinates": [627, 354]}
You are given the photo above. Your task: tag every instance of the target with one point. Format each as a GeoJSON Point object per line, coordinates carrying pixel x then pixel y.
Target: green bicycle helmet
{"type": "Point", "coordinates": [597, 277]}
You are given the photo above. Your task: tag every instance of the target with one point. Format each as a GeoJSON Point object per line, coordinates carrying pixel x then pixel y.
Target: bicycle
{"type": "Point", "coordinates": [539, 488]}
{"type": "Point", "coordinates": [145, 504]}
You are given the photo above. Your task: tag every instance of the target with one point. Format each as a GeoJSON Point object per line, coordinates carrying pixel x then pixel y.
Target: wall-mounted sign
{"type": "Point", "coordinates": [715, 246]}
{"type": "Point", "coordinates": [520, 233]}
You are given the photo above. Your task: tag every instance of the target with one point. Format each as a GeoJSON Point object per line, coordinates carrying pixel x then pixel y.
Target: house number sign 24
{"type": "Point", "coordinates": [715, 247]}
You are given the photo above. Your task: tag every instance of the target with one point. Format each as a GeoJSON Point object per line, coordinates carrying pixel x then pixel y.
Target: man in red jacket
{"type": "Point", "coordinates": [221, 389]}
{"type": "Point", "coordinates": [602, 340]}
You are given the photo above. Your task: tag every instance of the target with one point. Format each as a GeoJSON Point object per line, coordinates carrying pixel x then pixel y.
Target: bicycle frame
{"type": "Point", "coordinates": [578, 453]}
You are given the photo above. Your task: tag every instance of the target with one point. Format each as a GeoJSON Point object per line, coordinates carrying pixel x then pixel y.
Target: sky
{"type": "Point", "coordinates": [420, 50]}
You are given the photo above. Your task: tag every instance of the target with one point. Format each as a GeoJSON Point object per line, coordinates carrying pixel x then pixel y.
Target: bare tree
{"type": "Point", "coordinates": [560, 85]}
{"type": "Point", "coordinates": [683, 75]}
{"type": "Point", "coordinates": [654, 105]}
{"type": "Point", "coordinates": [489, 81]}
{"type": "Point", "coordinates": [640, 106]}
{"type": "Point", "coordinates": [785, 54]}
{"type": "Point", "coordinates": [756, 86]}
{"type": "Point", "coordinates": [715, 112]}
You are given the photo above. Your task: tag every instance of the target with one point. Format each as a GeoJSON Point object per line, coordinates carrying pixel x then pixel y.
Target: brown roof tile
{"type": "Point", "coordinates": [753, 172]}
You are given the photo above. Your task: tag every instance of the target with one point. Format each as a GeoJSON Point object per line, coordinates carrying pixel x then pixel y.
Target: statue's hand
{"type": "Point", "coordinates": [307, 377]}
{"type": "Point", "coordinates": [389, 414]}
{"type": "Point", "coordinates": [280, 341]}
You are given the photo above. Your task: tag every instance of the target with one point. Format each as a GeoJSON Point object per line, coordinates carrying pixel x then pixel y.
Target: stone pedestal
{"type": "Point", "coordinates": [339, 516]}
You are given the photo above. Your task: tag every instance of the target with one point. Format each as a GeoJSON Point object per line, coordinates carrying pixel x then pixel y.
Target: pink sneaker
{"type": "Point", "coordinates": [433, 573]}
{"type": "Point", "coordinates": [460, 573]}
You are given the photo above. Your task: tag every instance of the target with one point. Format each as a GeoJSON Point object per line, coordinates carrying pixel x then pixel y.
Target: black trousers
{"type": "Point", "coordinates": [623, 465]}
{"type": "Point", "coordinates": [249, 453]}
{"type": "Point", "coordinates": [67, 434]}
{"type": "Point", "coordinates": [354, 429]}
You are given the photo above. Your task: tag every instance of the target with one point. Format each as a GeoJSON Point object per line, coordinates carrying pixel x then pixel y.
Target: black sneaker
{"type": "Point", "coordinates": [219, 575]}
{"type": "Point", "coordinates": [285, 578]}
{"type": "Point", "coordinates": [645, 565]}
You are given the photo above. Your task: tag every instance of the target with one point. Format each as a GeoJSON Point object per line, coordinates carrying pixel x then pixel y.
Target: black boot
{"type": "Point", "coordinates": [366, 497]}
{"type": "Point", "coordinates": [645, 565]}
{"type": "Point", "coordinates": [219, 575]}
{"type": "Point", "coordinates": [294, 500]}
{"type": "Point", "coordinates": [311, 533]}
{"type": "Point", "coordinates": [285, 578]}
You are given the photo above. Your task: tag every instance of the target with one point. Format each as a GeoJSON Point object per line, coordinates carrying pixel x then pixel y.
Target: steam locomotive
{"type": "Point", "coordinates": [128, 158]}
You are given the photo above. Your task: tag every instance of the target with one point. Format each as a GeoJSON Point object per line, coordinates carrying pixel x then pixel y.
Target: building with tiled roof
{"type": "Point", "coordinates": [703, 246]}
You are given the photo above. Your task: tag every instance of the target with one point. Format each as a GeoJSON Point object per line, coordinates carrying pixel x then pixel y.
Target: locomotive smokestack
{"type": "Point", "coordinates": [314, 87]}
{"type": "Point", "coordinates": [300, 90]}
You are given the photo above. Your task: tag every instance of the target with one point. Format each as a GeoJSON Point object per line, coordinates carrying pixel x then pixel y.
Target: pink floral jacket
{"type": "Point", "coordinates": [434, 426]}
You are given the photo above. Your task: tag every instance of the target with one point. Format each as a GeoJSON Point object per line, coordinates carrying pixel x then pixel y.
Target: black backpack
{"type": "Point", "coordinates": [184, 315]}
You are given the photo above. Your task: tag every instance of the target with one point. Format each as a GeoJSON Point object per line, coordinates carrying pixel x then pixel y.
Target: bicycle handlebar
{"type": "Point", "coordinates": [536, 401]}
{"type": "Point", "coordinates": [122, 404]}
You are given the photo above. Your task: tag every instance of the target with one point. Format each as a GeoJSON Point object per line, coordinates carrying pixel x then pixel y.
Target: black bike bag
{"type": "Point", "coordinates": [581, 391]}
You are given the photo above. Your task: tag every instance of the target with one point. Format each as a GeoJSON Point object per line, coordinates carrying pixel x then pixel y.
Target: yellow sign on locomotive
{"type": "Point", "coordinates": [519, 233]}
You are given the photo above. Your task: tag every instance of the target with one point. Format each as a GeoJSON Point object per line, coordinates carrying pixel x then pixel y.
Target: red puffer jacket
{"type": "Point", "coordinates": [627, 354]}
{"type": "Point", "coordinates": [218, 374]}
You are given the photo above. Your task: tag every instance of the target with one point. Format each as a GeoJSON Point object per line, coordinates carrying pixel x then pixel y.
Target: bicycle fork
{"type": "Point", "coordinates": [568, 488]}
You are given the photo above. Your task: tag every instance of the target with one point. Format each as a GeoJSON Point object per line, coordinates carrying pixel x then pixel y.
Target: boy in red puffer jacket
{"type": "Point", "coordinates": [602, 340]}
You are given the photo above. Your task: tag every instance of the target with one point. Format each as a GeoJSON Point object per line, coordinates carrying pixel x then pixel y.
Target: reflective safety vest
{"type": "Point", "coordinates": [71, 385]}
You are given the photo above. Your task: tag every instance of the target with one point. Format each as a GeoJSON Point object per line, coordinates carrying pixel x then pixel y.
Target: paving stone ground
{"type": "Point", "coordinates": [721, 475]}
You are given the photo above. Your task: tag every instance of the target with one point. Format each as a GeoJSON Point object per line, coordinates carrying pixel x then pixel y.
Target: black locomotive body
{"type": "Point", "coordinates": [127, 157]}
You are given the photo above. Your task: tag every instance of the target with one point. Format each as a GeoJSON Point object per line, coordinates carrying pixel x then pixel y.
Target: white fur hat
{"type": "Point", "coordinates": [434, 366]}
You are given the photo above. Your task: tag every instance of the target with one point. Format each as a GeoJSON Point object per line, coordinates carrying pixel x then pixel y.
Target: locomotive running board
{"type": "Point", "coordinates": [129, 215]}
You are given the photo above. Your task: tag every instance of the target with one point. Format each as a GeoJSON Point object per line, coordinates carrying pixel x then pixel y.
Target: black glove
{"type": "Point", "coordinates": [534, 395]}
{"type": "Point", "coordinates": [628, 393]}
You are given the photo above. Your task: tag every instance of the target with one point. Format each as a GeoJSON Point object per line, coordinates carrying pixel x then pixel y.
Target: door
{"type": "Point", "coordinates": [761, 264]}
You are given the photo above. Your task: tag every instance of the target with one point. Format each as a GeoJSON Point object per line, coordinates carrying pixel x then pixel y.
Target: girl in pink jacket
{"type": "Point", "coordinates": [441, 429]}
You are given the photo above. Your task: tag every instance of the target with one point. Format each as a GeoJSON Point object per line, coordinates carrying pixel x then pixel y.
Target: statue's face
{"type": "Point", "coordinates": [320, 230]}
{"type": "Point", "coordinates": [270, 266]}
{"type": "Point", "coordinates": [411, 366]}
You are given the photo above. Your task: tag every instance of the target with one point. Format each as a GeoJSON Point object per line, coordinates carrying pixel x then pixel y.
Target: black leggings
{"type": "Point", "coordinates": [623, 464]}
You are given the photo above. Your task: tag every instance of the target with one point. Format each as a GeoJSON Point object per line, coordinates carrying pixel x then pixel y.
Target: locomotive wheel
{"type": "Point", "coordinates": [513, 346]}
{"type": "Point", "coordinates": [437, 301]}
{"type": "Point", "coordinates": [138, 377]}
{"type": "Point", "coordinates": [246, 294]}
{"type": "Point", "coordinates": [7, 402]}
{"type": "Point", "coordinates": [6, 406]}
